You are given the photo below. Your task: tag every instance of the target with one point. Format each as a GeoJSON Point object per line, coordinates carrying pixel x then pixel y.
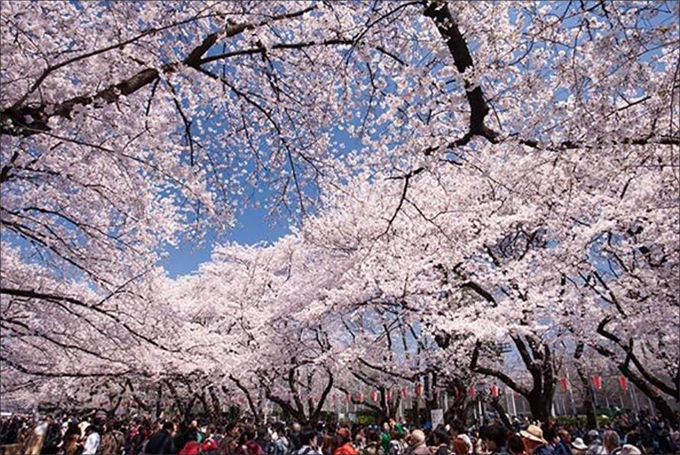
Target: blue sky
{"type": "Point", "coordinates": [252, 226]}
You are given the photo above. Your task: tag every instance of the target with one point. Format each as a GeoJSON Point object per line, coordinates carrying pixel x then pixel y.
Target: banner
{"type": "Point", "coordinates": [437, 416]}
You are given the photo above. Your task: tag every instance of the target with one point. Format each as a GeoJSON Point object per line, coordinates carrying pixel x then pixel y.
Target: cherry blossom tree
{"type": "Point", "coordinates": [514, 179]}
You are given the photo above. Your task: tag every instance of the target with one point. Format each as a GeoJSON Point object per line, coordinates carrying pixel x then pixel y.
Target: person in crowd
{"type": "Point", "coordinates": [552, 437]}
{"type": "Point", "coordinates": [594, 442]}
{"type": "Point", "coordinates": [612, 442]}
{"type": "Point", "coordinates": [441, 441]}
{"type": "Point", "coordinates": [71, 439]}
{"type": "Point", "coordinates": [294, 436]}
{"type": "Point", "coordinates": [359, 438]}
{"type": "Point", "coordinates": [462, 443]}
{"type": "Point", "coordinates": [385, 436]}
{"type": "Point", "coordinates": [309, 441]}
{"type": "Point", "coordinates": [34, 443]}
{"type": "Point", "coordinates": [92, 440]}
{"type": "Point", "coordinates": [52, 437]}
{"type": "Point", "coordinates": [248, 445]}
{"type": "Point", "coordinates": [192, 446]}
{"type": "Point", "coordinates": [373, 444]}
{"type": "Point", "coordinates": [534, 443]}
{"type": "Point", "coordinates": [162, 441]}
{"type": "Point", "coordinates": [516, 445]}
{"type": "Point", "coordinates": [344, 443]}
{"type": "Point", "coordinates": [230, 443]}
{"type": "Point", "coordinates": [397, 445]}
{"type": "Point", "coordinates": [563, 446]}
{"type": "Point", "coordinates": [416, 444]}
{"type": "Point", "coordinates": [279, 441]}
{"type": "Point", "coordinates": [494, 438]}
{"type": "Point", "coordinates": [578, 447]}
{"type": "Point", "coordinates": [112, 439]}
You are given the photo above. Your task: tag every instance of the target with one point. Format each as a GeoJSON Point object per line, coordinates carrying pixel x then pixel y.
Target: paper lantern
{"type": "Point", "coordinates": [623, 383]}
{"type": "Point", "coordinates": [472, 391]}
{"type": "Point", "coordinates": [494, 390]}
{"type": "Point", "coordinates": [597, 382]}
{"type": "Point", "coordinates": [565, 384]}
{"type": "Point", "coordinates": [374, 396]}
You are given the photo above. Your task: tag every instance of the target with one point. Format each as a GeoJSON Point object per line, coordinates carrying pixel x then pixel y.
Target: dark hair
{"type": "Point", "coordinates": [550, 434]}
{"type": "Point", "coordinates": [306, 435]}
{"type": "Point", "coordinates": [441, 436]}
{"type": "Point", "coordinates": [169, 426]}
{"type": "Point", "coordinates": [515, 444]}
{"type": "Point", "coordinates": [495, 433]}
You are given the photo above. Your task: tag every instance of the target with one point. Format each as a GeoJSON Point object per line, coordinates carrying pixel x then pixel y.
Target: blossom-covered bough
{"type": "Point", "coordinates": [513, 178]}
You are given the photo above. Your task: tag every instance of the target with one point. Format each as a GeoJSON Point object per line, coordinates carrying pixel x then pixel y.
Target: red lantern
{"type": "Point", "coordinates": [404, 392]}
{"type": "Point", "coordinates": [374, 396]}
{"type": "Point", "coordinates": [388, 395]}
{"type": "Point", "coordinates": [334, 398]}
{"type": "Point", "coordinates": [597, 381]}
{"type": "Point", "coordinates": [472, 391]}
{"type": "Point", "coordinates": [494, 390]}
{"type": "Point", "coordinates": [348, 397]}
{"type": "Point", "coordinates": [419, 390]}
{"type": "Point", "coordinates": [565, 384]}
{"type": "Point", "coordinates": [623, 383]}
{"type": "Point", "coordinates": [655, 390]}
{"type": "Point", "coordinates": [360, 397]}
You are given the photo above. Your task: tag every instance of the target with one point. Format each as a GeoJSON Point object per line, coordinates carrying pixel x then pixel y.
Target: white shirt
{"type": "Point", "coordinates": [92, 444]}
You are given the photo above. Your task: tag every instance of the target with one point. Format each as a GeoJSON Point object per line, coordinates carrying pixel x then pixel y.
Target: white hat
{"type": "Point", "coordinates": [579, 444]}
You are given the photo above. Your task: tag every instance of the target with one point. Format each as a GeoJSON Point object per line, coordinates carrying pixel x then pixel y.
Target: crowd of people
{"type": "Point", "coordinates": [627, 434]}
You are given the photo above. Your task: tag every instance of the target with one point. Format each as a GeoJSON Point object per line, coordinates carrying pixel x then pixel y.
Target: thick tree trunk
{"type": "Point", "coordinates": [588, 398]}
{"type": "Point", "coordinates": [458, 404]}
{"type": "Point", "coordinates": [495, 403]}
{"type": "Point", "coordinates": [539, 405]}
{"type": "Point", "coordinates": [588, 395]}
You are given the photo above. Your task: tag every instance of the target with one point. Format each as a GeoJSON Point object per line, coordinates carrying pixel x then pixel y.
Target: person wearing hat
{"type": "Point", "coordinates": [578, 447]}
{"type": "Point", "coordinates": [345, 446]}
{"type": "Point", "coordinates": [594, 442]}
{"type": "Point", "coordinates": [534, 442]}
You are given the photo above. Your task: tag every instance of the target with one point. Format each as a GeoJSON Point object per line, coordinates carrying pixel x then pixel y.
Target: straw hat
{"type": "Point", "coordinates": [533, 433]}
